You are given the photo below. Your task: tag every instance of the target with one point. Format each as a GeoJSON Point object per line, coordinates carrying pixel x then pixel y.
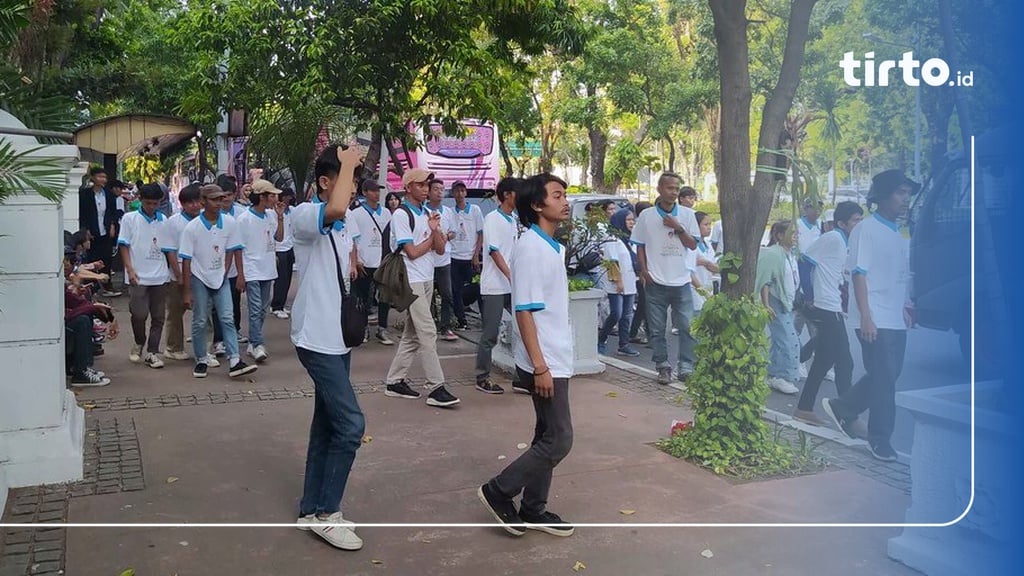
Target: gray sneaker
{"type": "Point", "coordinates": [664, 375]}
{"type": "Point", "coordinates": [384, 338]}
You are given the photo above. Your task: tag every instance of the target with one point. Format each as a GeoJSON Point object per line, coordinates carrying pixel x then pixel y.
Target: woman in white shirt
{"type": "Point", "coordinates": [707, 264]}
{"type": "Point", "coordinates": [620, 283]}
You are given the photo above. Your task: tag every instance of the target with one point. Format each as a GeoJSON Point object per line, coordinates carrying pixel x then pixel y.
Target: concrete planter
{"type": "Point", "coordinates": [941, 482]}
{"type": "Point", "coordinates": [583, 322]}
{"type": "Point", "coordinates": [41, 426]}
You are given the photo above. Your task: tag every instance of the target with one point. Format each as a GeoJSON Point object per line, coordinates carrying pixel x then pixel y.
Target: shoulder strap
{"type": "Point", "coordinates": [337, 264]}
{"type": "Point", "coordinates": [374, 220]}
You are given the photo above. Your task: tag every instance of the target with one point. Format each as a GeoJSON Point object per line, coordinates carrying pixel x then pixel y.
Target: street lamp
{"type": "Point", "coordinates": [917, 98]}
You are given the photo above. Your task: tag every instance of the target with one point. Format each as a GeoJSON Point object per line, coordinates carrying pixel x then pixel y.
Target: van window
{"type": "Point", "coordinates": [953, 198]}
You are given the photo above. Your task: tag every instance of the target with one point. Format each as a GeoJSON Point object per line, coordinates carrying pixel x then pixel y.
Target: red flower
{"type": "Point", "coordinates": [681, 427]}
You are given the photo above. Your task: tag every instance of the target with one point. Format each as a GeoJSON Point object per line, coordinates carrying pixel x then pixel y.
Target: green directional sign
{"type": "Point", "coordinates": [531, 148]}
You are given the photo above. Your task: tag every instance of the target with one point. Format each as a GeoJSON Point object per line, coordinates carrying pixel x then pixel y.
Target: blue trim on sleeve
{"type": "Point", "coordinates": [185, 256]}
{"type": "Point", "coordinates": [859, 270]}
{"type": "Point", "coordinates": [403, 242]}
{"type": "Point", "coordinates": [123, 242]}
{"type": "Point", "coordinates": [236, 247]}
{"type": "Point", "coordinates": [530, 307]}
{"type": "Point", "coordinates": [167, 250]}
{"type": "Point", "coordinates": [492, 248]}
{"type": "Point", "coordinates": [636, 242]}
{"type": "Point", "coordinates": [809, 260]}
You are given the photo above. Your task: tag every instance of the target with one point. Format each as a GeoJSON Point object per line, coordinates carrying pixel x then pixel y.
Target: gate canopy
{"type": "Point", "coordinates": [133, 134]}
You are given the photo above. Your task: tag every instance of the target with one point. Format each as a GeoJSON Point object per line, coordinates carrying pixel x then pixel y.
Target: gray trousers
{"type": "Point", "coordinates": [148, 302]}
{"type": "Point", "coordinates": [491, 306]}
{"type": "Point", "coordinates": [552, 441]}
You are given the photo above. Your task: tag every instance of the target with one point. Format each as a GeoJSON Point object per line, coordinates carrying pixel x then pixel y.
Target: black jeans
{"type": "Point", "coordinates": [832, 348]}
{"type": "Point", "coordinates": [363, 288]}
{"type": "Point", "coordinates": [552, 441]}
{"type": "Point", "coordinates": [462, 274]}
{"type": "Point", "coordinates": [640, 318]}
{"type": "Point", "coordinates": [102, 248]}
{"type": "Point", "coordinates": [876, 390]}
{"type": "Point", "coordinates": [79, 343]}
{"type": "Point", "coordinates": [443, 284]}
{"type": "Point", "coordinates": [285, 261]}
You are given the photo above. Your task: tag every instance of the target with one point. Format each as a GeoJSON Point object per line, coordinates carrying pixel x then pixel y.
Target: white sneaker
{"type": "Point", "coordinates": [219, 349]}
{"type": "Point", "coordinates": [675, 331]}
{"type": "Point", "coordinates": [250, 351]}
{"type": "Point", "coordinates": [782, 385]}
{"type": "Point", "coordinates": [212, 361]}
{"type": "Point", "coordinates": [261, 353]}
{"type": "Point", "coordinates": [282, 314]}
{"type": "Point", "coordinates": [831, 375]}
{"type": "Point", "coordinates": [243, 339]}
{"type": "Point", "coordinates": [176, 355]}
{"type": "Point", "coordinates": [135, 354]}
{"type": "Point", "coordinates": [333, 529]}
{"type": "Point", "coordinates": [803, 368]}
{"type": "Point", "coordinates": [154, 361]}
{"type": "Point", "coordinates": [99, 373]}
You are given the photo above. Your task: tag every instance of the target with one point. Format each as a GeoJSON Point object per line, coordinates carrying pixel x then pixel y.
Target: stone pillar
{"type": "Point", "coordinates": [70, 202]}
{"type": "Point", "coordinates": [41, 425]}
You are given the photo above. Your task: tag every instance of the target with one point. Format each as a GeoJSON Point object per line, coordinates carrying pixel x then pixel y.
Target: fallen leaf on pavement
{"type": "Point", "coordinates": [578, 566]}
{"type": "Point", "coordinates": [128, 572]}
{"type": "Point", "coordinates": [172, 479]}
{"type": "Point", "coordinates": [707, 554]}
{"type": "Point", "coordinates": [623, 415]}
{"type": "Point", "coordinates": [367, 439]}
{"type": "Point", "coordinates": [612, 394]}
{"type": "Point", "coordinates": [522, 445]}
{"type": "Point", "coordinates": [378, 562]}
{"type": "Point", "coordinates": [501, 457]}
{"type": "Point", "coordinates": [627, 512]}
{"type": "Point", "coordinates": [88, 406]}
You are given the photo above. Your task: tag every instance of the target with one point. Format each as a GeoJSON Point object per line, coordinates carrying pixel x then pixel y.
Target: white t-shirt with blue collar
{"type": "Point", "coordinates": [421, 269]}
{"type": "Point", "coordinates": [500, 234]}
{"type": "Point", "coordinates": [447, 227]}
{"type": "Point", "coordinates": [207, 244]}
{"type": "Point", "coordinates": [668, 262]}
{"type": "Point", "coordinates": [259, 256]}
{"type": "Point", "coordinates": [147, 240]}
{"type": "Point", "coordinates": [880, 251]}
{"type": "Point", "coordinates": [371, 224]}
{"type": "Point", "coordinates": [468, 225]}
{"type": "Point", "coordinates": [540, 286]}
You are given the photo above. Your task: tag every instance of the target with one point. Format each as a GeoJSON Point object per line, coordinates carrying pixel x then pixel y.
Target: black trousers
{"type": "Point", "coordinates": [285, 261]}
{"type": "Point", "coordinates": [102, 248]}
{"type": "Point", "coordinates": [552, 440]}
{"type": "Point", "coordinates": [79, 343]}
{"type": "Point", "coordinates": [462, 274]}
{"type": "Point", "coordinates": [363, 287]}
{"type": "Point", "coordinates": [443, 285]}
{"type": "Point", "coordinates": [876, 390]}
{"type": "Point", "coordinates": [832, 349]}
{"type": "Point", "coordinates": [640, 318]}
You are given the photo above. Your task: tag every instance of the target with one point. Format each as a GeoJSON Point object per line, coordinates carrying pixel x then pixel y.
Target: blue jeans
{"type": "Point", "coordinates": [203, 299]}
{"type": "Point", "coordinates": [335, 434]}
{"type": "Point", "coordinates": [257, 294]}
{"type": "Point", "coordinates": [680, 299]}
{"type": "Point", "coordinates": [620, 312]}
{"type": "Point", "coordinates": [784, 355]}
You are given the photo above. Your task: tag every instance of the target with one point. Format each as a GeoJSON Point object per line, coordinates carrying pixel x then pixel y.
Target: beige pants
{"type": "Point", "coordinates": [418, 336]}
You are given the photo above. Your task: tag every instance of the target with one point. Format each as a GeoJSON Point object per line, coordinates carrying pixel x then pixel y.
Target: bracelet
{"type": "Point", "coordinates": [546, 370]}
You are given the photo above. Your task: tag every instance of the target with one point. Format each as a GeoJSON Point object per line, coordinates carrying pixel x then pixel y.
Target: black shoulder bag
{"type": "Point", "coordinates": [353, 312]}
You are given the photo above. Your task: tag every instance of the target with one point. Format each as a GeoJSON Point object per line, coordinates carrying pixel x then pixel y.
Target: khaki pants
{"type": "Point", "coordinates": [419, 336]}
{"type": "Point", "coordinates": [175, 325]}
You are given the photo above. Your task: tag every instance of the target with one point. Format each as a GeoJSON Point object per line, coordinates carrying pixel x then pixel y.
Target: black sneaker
{"type": "Point", "coordinates": [488, 387]}
{"type": "Point", "coordinates": [401, 390]}
{"type": "Point", "coordinates": [842, 423]}
{"type": "Point", "coordinates": [503, 510]}
{"type": "Point", "coordinates": [883, 451]}
{"type": "Point", "coordinates": [664, 375]}
{"type": "Point", "coordinates": [200, 370]}
{"type": "Point", "coordinates": [518, 388]}
{"type": "Point", "coordinates": [241, 369]}
{"type": "Point", "coordinates": [441, 398]}
{"type": "Point", "coordinates": [547, 522]}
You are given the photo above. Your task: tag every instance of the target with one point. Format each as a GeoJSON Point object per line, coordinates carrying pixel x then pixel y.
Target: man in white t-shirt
{"type": "Point", "coordinates": [144, 243]}
{"type": "Point", "coordinates": [880, 311]}
{"type": "Point", "coordinates": [544, 362]}
{"type": "Point", "coordinates": [419, 243]}
{"type": "Point", "coordinates": [443, 262]}
{"type": "Point", "coordinates": [664, 236]}
{"type": "Point", "coordinates": [499, 240]}
{"type": "Point", "coordinates": [466, 249]}
{"type": "Point", "coordinates": [208, 243]}
{"type": "Point", "coordinates": [338, 422]}
{"type": "Point", "coordinates": [808, 229]}
{"type": "Point", "coordinates": [285, 257]}
{"type": "Point", "coordinates": [716, 238]}
{"type": "Point", "coordinates": [261, 227]}
{"type": "Point", "coordinates": [373, 220]}
{"type": "Point", "coordinates": [191, 205]}
{"type": "Point", "coordinates": [828, 255]}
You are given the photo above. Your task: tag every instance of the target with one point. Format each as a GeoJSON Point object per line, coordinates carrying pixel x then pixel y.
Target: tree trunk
{"type": "Point", "coordinates": [509, 169]}
{"type": "Point", "coordinates": [598, 150]}
{"type": "Point", "coordinates": [371, 165]}
{"type": "Point", "coordinates": [671, 153]}
{"type": "Point", "coordinates": [745, 208]}
{"type": "Point", "coordinates": [393, 154]}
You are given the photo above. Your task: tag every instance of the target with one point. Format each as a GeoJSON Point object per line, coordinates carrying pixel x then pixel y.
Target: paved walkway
{"type": "Point", "coordinates": [164, 447]}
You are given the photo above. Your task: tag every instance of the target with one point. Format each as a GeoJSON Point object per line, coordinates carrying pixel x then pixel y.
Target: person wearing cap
{"type": "Point", "coordinates": [808, 227]}
{"type": "Point", "coordinates": [144, 245]}
{"type": "Point", "coordinates": [208, 243]}
{"type": "Point", "coordinates": [191, 205]}
{"type": "Point", "coordinates": [443, 263]}
{"type": "Point", "coordinates": [466, 249]}
{"type": "Point", "coordinates": [880, 312]}
{"type": "Point", "coordinates": [285, 255]}
{"type": "Point", "coordinates": [338, 424]}
{"type": "Point", "coordinates": [260, 228]}
{"type": "Point", "coordinates": [417, 234]}
{"type": "Point", "coordinates": [231, 205]}
{"type": "Point", "coordinates": [828, 223]}
{"type": "Point", "coordinates": [373, 221]}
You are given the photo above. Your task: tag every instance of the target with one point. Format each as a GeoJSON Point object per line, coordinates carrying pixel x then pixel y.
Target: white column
{"type": "Point", "coordinates": [41, 426]}
{"type": "Point", "coordinates": [70, 202]}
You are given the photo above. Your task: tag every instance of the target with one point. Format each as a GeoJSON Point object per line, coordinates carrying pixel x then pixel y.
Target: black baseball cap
{"type": "Point", "coordinates": [370, 184]}
{"type": "Point", "coordinates": [885, 183]}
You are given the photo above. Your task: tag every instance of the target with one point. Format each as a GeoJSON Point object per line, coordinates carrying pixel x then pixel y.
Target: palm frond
{"type": "Point", "coordinates": [36, 110]}
{"type": "Point", "coordinates": [13, 17]}
{"type": "Point", "coordinates": [20, 173]}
